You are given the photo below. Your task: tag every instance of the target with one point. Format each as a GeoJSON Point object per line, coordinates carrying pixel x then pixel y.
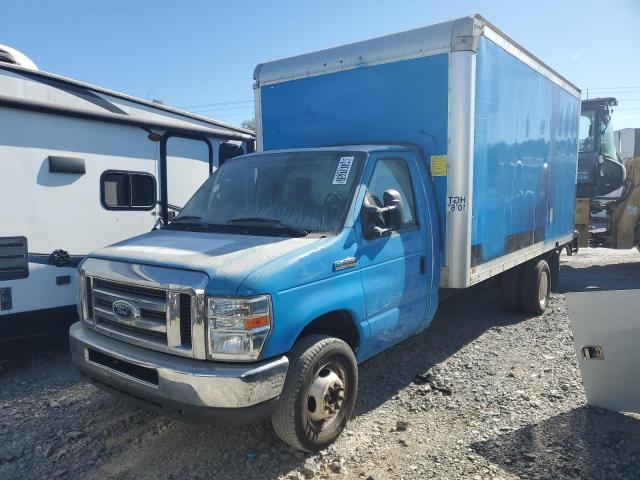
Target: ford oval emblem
{"type": "Point", "coordinates": [124, 310]}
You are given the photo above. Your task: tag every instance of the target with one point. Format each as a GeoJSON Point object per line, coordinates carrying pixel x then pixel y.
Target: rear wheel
{"type": "Point", "coordinates": [318, 395]}
{"type": "Point", "coordinates": [536, 286]}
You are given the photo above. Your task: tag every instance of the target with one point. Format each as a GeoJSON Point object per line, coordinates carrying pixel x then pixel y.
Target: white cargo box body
{"type": "Point", "coordinates": [499, 129]}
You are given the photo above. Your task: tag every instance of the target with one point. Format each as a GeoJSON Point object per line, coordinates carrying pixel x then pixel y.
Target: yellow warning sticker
{"type": "Point", "coordinates": [438, 165]}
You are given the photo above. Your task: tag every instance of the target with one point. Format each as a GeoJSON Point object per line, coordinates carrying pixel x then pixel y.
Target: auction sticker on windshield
{"type": "Point", "coordinates": [342, 172]}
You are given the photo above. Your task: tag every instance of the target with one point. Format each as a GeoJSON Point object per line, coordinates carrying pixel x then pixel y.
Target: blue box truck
{"type": "Point", "coordinates": [388, 170]}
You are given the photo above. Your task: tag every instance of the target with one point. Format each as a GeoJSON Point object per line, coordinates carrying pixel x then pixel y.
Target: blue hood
{"type": "Point", "coordinates": [226, 258]}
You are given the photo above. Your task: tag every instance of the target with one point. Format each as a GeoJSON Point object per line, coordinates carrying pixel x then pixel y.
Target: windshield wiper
{"type": "Point", "coordinates": [250, 221]}
{"type": "Point", "coordinates": [191, 222]}
{"type": "Point", "coordinates": [186, 217]}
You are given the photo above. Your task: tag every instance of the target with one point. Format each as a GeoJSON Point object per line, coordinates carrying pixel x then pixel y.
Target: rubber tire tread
{"type": "Point", "coordinates": [531, 272]}
{"type": "Point", "coordinates": [302, 356]}
{"type": "Point", "coordinates": [553, 259]}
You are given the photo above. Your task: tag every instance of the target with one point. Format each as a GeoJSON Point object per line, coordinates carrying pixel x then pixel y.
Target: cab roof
{"type": "Point", "coordinates": [365, 148]}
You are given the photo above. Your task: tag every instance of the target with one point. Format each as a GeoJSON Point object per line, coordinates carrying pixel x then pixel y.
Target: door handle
{"type": "Point", "coordinates": [592, 352]}
{"type": "Point", "coordinates": [423, 265]}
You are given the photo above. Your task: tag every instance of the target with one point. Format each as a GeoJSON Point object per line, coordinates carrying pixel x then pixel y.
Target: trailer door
{"type": "Point", "coordinates": [185, 162]}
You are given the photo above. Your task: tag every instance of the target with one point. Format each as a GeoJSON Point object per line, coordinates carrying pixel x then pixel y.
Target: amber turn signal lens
{"type": "Point", "coordinates": [256, 322]}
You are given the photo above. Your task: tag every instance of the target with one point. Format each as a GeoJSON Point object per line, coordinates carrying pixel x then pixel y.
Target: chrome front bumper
{"type": "Point", "coordinates": [176, 383]}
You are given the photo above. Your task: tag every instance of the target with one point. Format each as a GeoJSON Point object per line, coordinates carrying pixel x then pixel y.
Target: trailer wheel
{"type": "Point", "coordinates": [535, 287]}
{"type": "Point", "coordinates": [510, 289]}
{"type": "Point", "coordinates": [319, 393]}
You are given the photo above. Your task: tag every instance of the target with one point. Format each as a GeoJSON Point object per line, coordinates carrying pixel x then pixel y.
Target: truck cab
{"type": "Point", "coordinates": [281, 256]}
{"type": "Point", "coordinates": [600, 171]}
{"type": "Point", "coordinates": [607, 196]}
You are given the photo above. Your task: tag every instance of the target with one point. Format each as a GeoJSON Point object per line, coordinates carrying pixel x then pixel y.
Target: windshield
{"type": "Point", "coordinates": [299, 192]}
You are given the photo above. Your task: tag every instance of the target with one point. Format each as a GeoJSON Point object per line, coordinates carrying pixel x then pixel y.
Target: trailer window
{"type": "Point", "coordinates": [127, 190]}
{"type": "Point", "coordinates": [586, 138]}
{"type": "Point", "coordinates": [393, 173]}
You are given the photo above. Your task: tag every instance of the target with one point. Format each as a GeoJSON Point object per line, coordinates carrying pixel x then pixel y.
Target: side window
{"type": "Point", "coordinates": [585, 134]}
{"type": "Point", "coordinates": [393, 173]}
{"type": "Point", "coordinates": [127, 190]}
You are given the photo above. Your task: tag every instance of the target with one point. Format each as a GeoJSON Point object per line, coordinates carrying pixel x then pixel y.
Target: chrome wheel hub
{"type": "Point", "coordinates": [326, 395]}
{"type": "Point", "coordinates": [542, 290]}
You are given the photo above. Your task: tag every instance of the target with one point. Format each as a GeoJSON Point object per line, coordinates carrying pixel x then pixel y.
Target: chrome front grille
{"type": "Point", "coordinates": [168, 304]}
{"type": "Point", "coordinates": [161, 318]}
{"type": "Point", "coordinates": [151, 304]}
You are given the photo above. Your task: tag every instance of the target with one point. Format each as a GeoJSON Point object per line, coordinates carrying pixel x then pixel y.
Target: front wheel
{"type": "Point", "coordinates": [319, 393]}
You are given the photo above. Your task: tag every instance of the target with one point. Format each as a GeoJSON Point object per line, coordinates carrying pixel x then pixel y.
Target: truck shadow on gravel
{"type": "Point", "coordinates": [29, 352]}
{"type": "Point", "coordinates": [460, 320]}
{"type": "Point", "coordinates": [613, 276]}
{"type": "Point", "coordinates": [587, 442]}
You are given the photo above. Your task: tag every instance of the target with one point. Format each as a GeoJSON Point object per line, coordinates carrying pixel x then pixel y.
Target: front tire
{"type": "Point", "coordinates": [319, 393]}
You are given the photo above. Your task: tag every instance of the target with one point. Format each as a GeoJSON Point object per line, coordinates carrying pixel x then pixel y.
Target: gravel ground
{"type": "Point", "coordinates": [480, 394]}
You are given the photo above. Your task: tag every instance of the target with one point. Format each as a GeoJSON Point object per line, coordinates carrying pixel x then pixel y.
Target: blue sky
{"type": "Point", "coordinates": [201, 54]}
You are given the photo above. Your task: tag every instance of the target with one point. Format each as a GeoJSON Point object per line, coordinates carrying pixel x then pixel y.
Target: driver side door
{"type": "Point", "coordinates": [392, 266]}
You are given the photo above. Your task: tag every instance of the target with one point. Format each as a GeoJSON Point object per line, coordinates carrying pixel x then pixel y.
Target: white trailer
{"type": "Point", "coordinates": [627, 143]}
{"type": "Point", "coordinates": [82, 167]}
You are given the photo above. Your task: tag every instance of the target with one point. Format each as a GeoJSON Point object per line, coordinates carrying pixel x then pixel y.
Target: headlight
{"type": "Point", "coordinates": [238, 327]}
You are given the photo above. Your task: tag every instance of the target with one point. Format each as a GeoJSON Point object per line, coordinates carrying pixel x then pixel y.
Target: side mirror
{"type": "Point", "coordinates": [393, 209]}
{"type": "Point", "coordinates": [379, 221]}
